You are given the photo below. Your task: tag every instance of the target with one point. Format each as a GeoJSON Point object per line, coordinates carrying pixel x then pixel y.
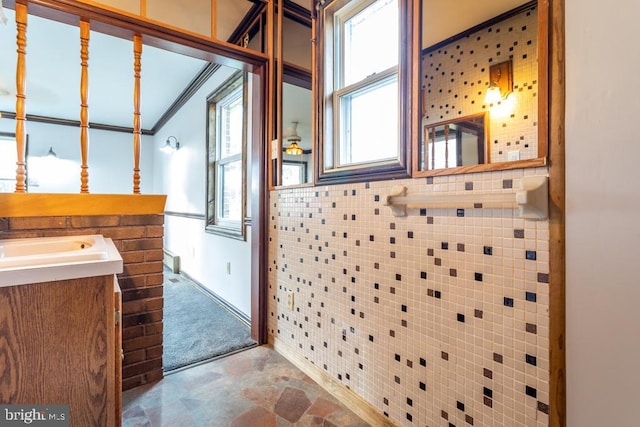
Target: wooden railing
{"type": "Point", "coordinates": [21, 13]}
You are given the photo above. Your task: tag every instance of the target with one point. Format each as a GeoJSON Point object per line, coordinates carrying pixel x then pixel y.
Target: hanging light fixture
{"type": "Point", "coordinates": [293, 148]}
{"type": "Point", "coordinates": [51, 153]}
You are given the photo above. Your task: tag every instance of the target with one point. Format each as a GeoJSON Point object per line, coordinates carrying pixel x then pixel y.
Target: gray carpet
{"type": "Point", "coordinates": [196, 327]}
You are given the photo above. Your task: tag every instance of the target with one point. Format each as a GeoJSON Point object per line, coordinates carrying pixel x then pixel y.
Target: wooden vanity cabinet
{"type": "Point", "coordinates": [60, 343]}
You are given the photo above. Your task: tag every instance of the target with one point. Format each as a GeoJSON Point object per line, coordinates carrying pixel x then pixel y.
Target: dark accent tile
{"type": "Point", "coordinates": [460, 406]}
{"type": "Point", "coordinates": [423, 386]}
{"type": "Point", "coordinates": [468, 185]}
{"type": "Point", "coordinates": [478, 313]}
{"type": "Point", "coordinates": [531, 296]}
{"type": "Point", "coordinates": [531, 360]}
{"type": "Point", "coordinates": [530, 391]}
{"type": "Point", "coordinates": [423, 212]}
{"type": "Point", "coordinates": [488, 402]}
{"type": "Point", "coordinates": [410, 234]}
{"type": "Point", "coordinates": [460, 247]}
{"type": "Point", "coordinates": [376, 198]}
{"type": "Point", "coordinates": [429, 252]}
{"type": "Point", "coordinates": [392, 240]}
{"type": "Point", "coordinates": [409, 364]}
{"type": "Point", "coordinates": [460, 213]}
{"type": "Point", "coordinates": [497, 357]}
{"type": "Point", "coordinates": [444, 355]}
{"type": "Point", "coordinates": [438, 294]}
{"type": "Point", "coordinates": [543, 278]}
{"type": "Point", "coordinates": [403, 308]}
{"type": "Point", "coordinates": [423, 362]}
{"type": "Point", "coordinates": [444, 414]}
{"type": "Point", "coordinates": [468, 419]}
{"type": "Point", "coordinates": [409, 417]}
{"type": "Point", "coordinates": [409, 401]}
{"type": "Point", "coordinates": [437, 261]}
{"type": "Point", "coordinates": [397, 379]}
{"type": "Point", "coordinates": [507, 183]}
{"type": "Point", "coordinates": [531, 255]}
{"type": "Point", "coordinates": [445, 245]}
{"type": "Point", "coordinates": [453, 272]}
{"type": "Point", "coordinates": [399, 277]}
{"type": "Point", "coordinates": [423, 274]}
{"type": "Point", "coordinates": [478, 277]}
{"type": "Point", "coordinates": [508, 302]}
{"type": "Point", "coordinates": [488, 250]}
{"type": "Point", "coordinates": [543, 407]}
{"type": "Point", "coordinates": [397, 357]}
{"type": "Point", "coordinates": [531, 328]}
{"type": "Point", "coordinates": [487, 392]}
{"type": "Point", "coordinates": [518, 233]}
{"type": "Point", "coordinates": [488, 373]}
{"type": "Point", "coordinates": [460, 317]}
{"type": "Point", "coordinates": [429, 220]}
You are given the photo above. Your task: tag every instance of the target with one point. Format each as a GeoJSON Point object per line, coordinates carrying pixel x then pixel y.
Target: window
{"type": "Point", "coordinates": [364, 87]}
{"type": "Point", "coordinates": [226, 145]}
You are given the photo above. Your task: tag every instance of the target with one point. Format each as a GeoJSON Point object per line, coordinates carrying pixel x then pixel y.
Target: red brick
{"type": "Point", "coordinates": [133, 257]}
{"type": "Point", "coordinates": [155, 279]}
{"type": "Point", "coordinates": [155, 231]}
{"type": "Point", "coordinates": [69, 232]}
{"type": "Point", "coordinates": [141, 368]}
{"type": "Point", "coordinates": [38, 223]}
{"type": "Point", "coordinates": [132, 332]}
{"type": "Point", "coordinates": [134, 357]}
{"type": "Point", "coordinates": [95, 221]}
{"type": "Point", "coordinates": [154, 255]}
{"type": "Point", "coordinates": [122, 233]}
{"type": "Point", "coordinates": [131, 282]}
{"type": "Point", "coordinates": [142, 306]}
{"type": "Point", "coordinates": [140, 244]}
{"type": "Point", "coordinates": [153, 328]}
{"type": "Point", "coordinates": [154, 352]}
{"type": "Point", "coordinates": [141, 319]}
{"type": "Point", "coordinates": [153, 376]}
{"type": "Point", "coordinates": [142, 219]}
{"type": "Point", "coordinates": [141, 343]}
{"type": "Point", "coordinates": [143, 268]}
{"type": "Point", "coordinates": [133, 382]}
{"type": "Point", "coordinates": [130, 295]}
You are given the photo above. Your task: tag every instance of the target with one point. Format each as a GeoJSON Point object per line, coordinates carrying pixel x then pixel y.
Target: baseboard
{"type": "Point", "coordinates": [172, 261]}
{"type": "Point", "coordinates": [348, 397]}
{"type": "Point", "coordinates": [233, 310]}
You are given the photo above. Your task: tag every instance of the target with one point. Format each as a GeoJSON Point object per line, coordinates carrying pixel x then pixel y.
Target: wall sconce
{"type": "Point", "coordinates": [168, 147]}
{"type": "Point", "coordinates": [293, 148]}
{"type": "Point", "coordinates": [501, 82]}
{"type": "Point", "coordinates": [51, 153]}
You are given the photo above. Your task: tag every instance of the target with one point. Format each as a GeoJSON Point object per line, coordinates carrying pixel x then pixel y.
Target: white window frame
{"type": "Point", "coordinates": [229, 92]}
{"type": "Point", "coordinates": [331, 92]}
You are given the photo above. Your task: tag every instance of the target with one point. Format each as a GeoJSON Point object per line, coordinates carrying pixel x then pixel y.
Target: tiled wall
{"type": "Point", "coordinates": [456, 76]}
{"type": "Point", "coordinates": [439, 318]}
{"type": "Point", "coordinates": [138, 238]}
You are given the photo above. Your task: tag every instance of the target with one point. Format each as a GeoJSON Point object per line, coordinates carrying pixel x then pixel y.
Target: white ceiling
{"type": "Point", "coordinates": [53, 74]}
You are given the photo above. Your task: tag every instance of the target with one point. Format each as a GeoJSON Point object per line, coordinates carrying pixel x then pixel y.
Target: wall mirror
{"type": "Point", "coordinates": [454, 143]}
{"type": "Point", "coordinates": [490, 63]}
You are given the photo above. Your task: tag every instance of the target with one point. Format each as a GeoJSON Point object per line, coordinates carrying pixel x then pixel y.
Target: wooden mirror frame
{"type": "Point", "coordinates": [543, 8]}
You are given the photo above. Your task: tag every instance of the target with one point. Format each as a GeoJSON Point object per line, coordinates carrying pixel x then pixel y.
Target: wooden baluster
{"type": "Point", "coordinates": [137, 66]}
{"type": "Point", "coordinates": [446, 146]}
{"type": "Point", "coordinates": [21, 74]}
{"type": "Point", "coordinates": [84, 105]}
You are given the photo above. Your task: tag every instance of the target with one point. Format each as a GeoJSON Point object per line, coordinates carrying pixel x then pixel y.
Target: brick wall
{"type": "Point", "coordinates": [139, 240]}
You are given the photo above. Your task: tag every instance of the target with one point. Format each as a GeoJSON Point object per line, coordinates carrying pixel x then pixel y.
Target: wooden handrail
{"type": "Point", "coordinates": [137, 66]}
{"type": "Point", "coordinates": [84, 105]}
{"type": "Point", "coordinates": [21, 77]}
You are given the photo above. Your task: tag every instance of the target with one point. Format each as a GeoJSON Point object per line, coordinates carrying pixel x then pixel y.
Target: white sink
{"type": "Point", "coordinates": [46, 259]}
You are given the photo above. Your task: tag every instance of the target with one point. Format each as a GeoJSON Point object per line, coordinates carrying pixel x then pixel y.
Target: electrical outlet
{"type": "Point", "coordinates": [290, 300]}
{"type": "Point", "coordinates": [513, 155]}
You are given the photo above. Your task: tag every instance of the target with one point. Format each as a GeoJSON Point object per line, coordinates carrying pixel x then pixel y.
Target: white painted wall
{"type": "Point", "coordinates": [603, 213]}
{"type": "Point", "coordinates": [110, 159]}
{"type": "Point", "coordinates": [182, 176]}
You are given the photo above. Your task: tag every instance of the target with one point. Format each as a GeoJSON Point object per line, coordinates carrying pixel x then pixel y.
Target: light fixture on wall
{"type": "Point", "coordinates": [293, 148]}
{"type": "Point", "coordinates": [168, 147]}
{"type": "Point", "coordinates": [51, 153]}
{"type": "Point", "coordinates": [501, 82]}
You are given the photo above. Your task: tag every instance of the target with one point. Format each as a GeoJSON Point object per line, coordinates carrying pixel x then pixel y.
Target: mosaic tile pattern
{"type": "Point", "coordinates": [456, 76]}
{"type": "Point", "coordinates": [437, 318]}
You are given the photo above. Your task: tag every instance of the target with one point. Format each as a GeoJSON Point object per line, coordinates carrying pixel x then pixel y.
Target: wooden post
{"type": "Point", "coordinates": [137, 66]}
{"type": "Point", "coordinates": [84, 105]}
{"type": "Point", "coordinates": [21, 77]}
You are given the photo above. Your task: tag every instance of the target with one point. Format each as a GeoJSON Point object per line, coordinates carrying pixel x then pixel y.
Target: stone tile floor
{"type": "Point", "coordinates": [255, 387]}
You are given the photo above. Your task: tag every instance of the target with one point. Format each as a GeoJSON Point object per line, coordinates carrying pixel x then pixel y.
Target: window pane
{"type": "Point", "coordinates": [231, 191]}
{"type": "Point", "coordinates": [371, 41]}
{"type": "Point", "coordinates": [230, 120]}
{"type": "Point", "coordinates": [369, 124]}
